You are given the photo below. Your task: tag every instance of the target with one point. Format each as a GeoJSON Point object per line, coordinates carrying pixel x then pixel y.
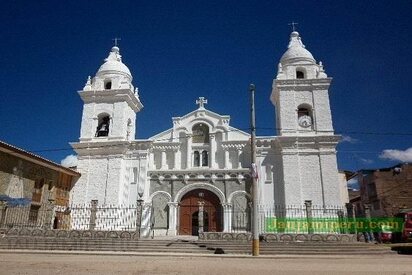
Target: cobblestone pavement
{"type": "Point", "coordinates": [36, 263]}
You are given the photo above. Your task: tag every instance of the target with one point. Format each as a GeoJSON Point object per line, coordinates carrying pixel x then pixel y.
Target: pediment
{"type": "Point", "coordinates": [183, 126]}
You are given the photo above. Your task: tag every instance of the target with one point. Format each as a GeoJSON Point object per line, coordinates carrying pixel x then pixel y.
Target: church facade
{"type": "Point", "coordinates": [201, 161]}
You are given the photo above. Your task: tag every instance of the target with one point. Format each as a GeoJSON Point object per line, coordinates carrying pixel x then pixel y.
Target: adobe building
{"type": "Point", "coordinates": [30, 187]}
{"type": "Point", "coordinates": [386, 190]}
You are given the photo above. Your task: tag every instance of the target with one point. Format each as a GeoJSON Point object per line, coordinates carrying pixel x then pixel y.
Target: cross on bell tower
{"type": "Point", "coordinates": [116, 41]}
{"type": "Point", "coordinates": [201, 102]}
{"type": "Point", "coordinates": [293, 25]}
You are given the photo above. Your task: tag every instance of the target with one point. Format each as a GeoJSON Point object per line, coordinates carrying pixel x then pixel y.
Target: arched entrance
{"type": "Point", "coordinates": [189, 208]}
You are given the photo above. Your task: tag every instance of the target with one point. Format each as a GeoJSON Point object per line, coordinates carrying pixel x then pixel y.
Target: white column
{"type": "Point", "coordinates": [212, 141]}
{"type": "Point", "coordinates": [227, 217]}
{"type": "Point", "coordinates": [189, 153]}
{"type": "Point", "coordinates": [238, 151]}
{"type": "Point", "coordinates": [163, 160]}
{"type": "Point", "coordinates": [172, 230]}
{"type": "Point", "coordinates": [152, 164]}
{"type": "Point", "coordinates": [176, 159]}
{"type": "Point", "coordinates": [143, 182]}
{"type": "Point", "coordinates": [145, 224]}
{"type": "Point", "coordinates": [227, 158]}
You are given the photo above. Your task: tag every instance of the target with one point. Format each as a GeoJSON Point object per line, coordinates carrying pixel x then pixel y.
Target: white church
{"type": "Point", "coordinates": [201, 159]}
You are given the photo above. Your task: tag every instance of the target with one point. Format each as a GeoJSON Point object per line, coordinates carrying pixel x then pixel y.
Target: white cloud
{"type": "Point", "coordinates": [348, 139]}
{"type": "Point", "coordinates": [69, 161]}
{"type": "Point", "coordinates": [398, 155]}
{"type": "Point", "coordinates": [366, 161]}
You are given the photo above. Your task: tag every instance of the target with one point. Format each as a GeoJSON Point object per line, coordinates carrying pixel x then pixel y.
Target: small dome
{"type": "Point", "coordinates": [113, 64]}
{"type": "Point", "coordinates": [296, 51]}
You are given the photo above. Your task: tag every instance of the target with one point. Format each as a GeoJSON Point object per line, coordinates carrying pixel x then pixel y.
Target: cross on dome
{"type": "Point", "coordinates": [201, 102]}
{"type": "Point", "coordinates": [116, 40]}
{"type": "Point", "coordinates": [293, 24]}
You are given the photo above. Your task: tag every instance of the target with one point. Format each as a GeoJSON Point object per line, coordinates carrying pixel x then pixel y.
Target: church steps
{"type": "Point", "coordinates": [303, 250]}
{"type": "Point", "coordinates": [177, 246]}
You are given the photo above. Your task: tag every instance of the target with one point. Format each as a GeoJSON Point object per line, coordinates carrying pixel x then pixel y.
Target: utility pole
{"type": "Point", "coordinates": [255, 198]}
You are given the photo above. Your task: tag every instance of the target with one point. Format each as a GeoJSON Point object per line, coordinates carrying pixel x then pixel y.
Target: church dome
{"type": "Point", "coordinates": [296, 51]}
{"type": "Point", "coordinates": [113, 64]}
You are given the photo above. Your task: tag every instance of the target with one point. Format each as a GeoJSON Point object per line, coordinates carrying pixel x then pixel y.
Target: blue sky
{"type": "Point", "coordinates": [180, 50]}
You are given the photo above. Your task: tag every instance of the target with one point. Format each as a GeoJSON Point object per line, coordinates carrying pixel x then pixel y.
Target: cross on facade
{"type": "Point", "coordinates": [116, 40]}
{"type": "Point", "coordinates": [293, 24]}
{"type": "Point", "coordinates": [201, 102]}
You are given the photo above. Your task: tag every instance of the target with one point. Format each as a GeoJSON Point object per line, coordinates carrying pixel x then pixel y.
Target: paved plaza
{"type": "Point", "coordinates": [128, 263]}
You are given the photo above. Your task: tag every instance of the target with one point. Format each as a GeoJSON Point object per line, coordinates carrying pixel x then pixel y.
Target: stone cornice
{"type": "Point", "coordinates": [210, 175]}
{"type": "Point", "coordinates": [264, 142]}
{"type": "Point", "coordinates": [303, 84]}
{"type": "Point", "coordinates": [165, 146]}
{"type": "Point", "coordinates": [140, 144]}
{"type": "Point", "coordinates": [309, 144]}
{"type": "Point", "coordinates": [108, 147]}
{"type": "Point", "coordinates": [200, 146]}
{"type": "Point", "coordinates": [100, 148]}
{"type": "Point", "coordinates": [137, 155]}
{"type": "Point", "coordinates": [112, 96]}
{"type": "Point", "coordinates": [234, 144]}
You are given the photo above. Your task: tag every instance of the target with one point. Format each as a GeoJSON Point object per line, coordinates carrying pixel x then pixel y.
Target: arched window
{"type": "Point", "coordinates": [196, 160]}
{"type": "Point", "coordinates": [300, 74]}
{"type": "Point", "coordinates": [108, 85]}
{"type": "Point", "coordinates": [205, 158]}
{"type": "Point", "coordinates": [304, 117]}
{"type": "Point", "coordinates": [103, 126]}
{"type": "Point", "coordinates": [303, 112]}
{"type": "Point", "coordinates": [200, 133]}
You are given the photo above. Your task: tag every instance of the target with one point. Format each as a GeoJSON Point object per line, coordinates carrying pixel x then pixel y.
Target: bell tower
{"type": "Point", "coordinates": [300, 93]}
{"type": "Point", "coordinates": [110, 103]}
{"type": "Point", "coordinates": [107, 129]}
{"type": "Point", "coordinates": [305, 135]}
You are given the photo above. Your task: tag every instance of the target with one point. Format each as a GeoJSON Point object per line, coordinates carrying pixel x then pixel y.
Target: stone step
{"type": "Point", "coordinates": [301, 249]}
{"type": "Point", "coordinates": [126, 244]}
{"type": "Point", "coordinates": [293, 245]}
{"type": "Point", "coordinates": [304, 250]}
{"type": "Point", "coordinates": [103, 247]}
{"type": "Point", "coordinates": [161, 242]}
{"type": "Point", "coordinates": [239, 252]}
{"type": "Point", "coordinates": [290, 243]}
{"type": "Point", "coordinates": [270, 250]}
{"type": "Point", "coordinates": [200, 244]}
{"type": "Point", "coordinates": [189, 246]}
{"type": "Point", "coordinates": [298, 252]}
{"type": "Point", "coordinates": [176, 247]}
{"type": "Point", "coordinates": [180, 242]}
{"type": "Point", "coordinates": [157, 250]}
{"type": "Point", "coordinates": [297, 249]}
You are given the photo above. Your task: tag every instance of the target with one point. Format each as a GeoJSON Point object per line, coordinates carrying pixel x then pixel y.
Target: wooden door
{"type": "Point", "coordinates": [189, 210]}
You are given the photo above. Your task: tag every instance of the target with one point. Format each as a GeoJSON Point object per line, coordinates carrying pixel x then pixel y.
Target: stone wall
{"type": "Point", "coordinates": [17, 177]}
